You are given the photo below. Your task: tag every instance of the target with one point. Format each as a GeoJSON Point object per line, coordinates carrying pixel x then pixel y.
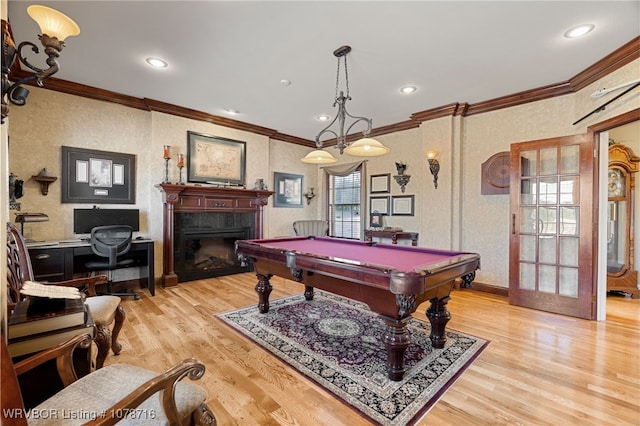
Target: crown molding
{"type": "Point", "coordinates": [610, 63]}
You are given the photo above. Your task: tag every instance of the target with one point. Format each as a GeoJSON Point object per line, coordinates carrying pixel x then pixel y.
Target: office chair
{"type": "Point", "coordinates": [111, 242]}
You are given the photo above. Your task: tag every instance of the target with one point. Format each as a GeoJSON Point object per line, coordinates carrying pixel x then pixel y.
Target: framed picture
{"type": "Point", "coordinates": [288, 190]}
{"type": "Point", "coordinates": [379, 205]}
{"type": "Point", "coordinates": [402, 205]}
{"type": "Point", "coordinates": [375, 220]}
{"type": "Point", "coordinates": [211, 159]}
{"type": "Point", "coordinates": [380, 183]}
{"type": "Point", "coordinates": [92, 176]}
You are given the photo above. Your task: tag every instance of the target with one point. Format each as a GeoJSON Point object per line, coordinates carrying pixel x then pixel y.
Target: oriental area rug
{"type": "Point", "coordinates": [336, 342]}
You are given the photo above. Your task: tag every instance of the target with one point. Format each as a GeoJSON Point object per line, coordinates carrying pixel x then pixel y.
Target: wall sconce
{"type": "Point", "coordinates": [55, 27]}
{"type": "Point", "coordinates": [44, 179]}
{"type": "Point", "coordinates": [434, 166]}
{"type": "Point", "coordinates": [309, 195]}
{"type": "Point", "coordinates": [401, 178]}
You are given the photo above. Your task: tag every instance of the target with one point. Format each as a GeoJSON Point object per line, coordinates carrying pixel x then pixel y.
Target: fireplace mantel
{"type": "Point", "coordinates": [204, 199]}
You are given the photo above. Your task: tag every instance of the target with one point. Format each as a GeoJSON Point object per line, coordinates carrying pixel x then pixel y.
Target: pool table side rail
{"type": "Point", "coordinates": [398, 282]}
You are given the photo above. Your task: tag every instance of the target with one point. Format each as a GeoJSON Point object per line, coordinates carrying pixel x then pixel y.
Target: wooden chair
{"type": "Point", "coordinates": [105, 310]}
{"type": "Point", "coordinates": [316, 228]}
{"type": "Point", "coordinates": [106, 396]}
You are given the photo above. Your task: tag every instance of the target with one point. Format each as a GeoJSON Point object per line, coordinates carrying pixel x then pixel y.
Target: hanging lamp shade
{"type": "Point", "coordinates": [53, 23]}
{"type": "Point", "coordinates": [319, 156]}
{"type": "Point", "coordinates": [366, 147]}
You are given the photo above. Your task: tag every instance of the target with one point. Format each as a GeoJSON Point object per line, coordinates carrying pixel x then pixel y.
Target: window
{"type": "Point", "coordinates": [344, 205]}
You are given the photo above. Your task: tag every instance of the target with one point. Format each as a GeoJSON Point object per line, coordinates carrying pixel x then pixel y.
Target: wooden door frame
{"type": "Point", "coordinates": [600, 283]}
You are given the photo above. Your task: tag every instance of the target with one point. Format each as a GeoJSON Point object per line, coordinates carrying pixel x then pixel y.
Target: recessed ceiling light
{"type": "Point", "coordinates": [579, 31]}
{"type": "Point", "coordinates": [285, 82]}
{"type": "Point", "coordinates": [408, 89]}
{"type": "Point", "coordinates": [232, 111]}
{"type": "Point", "coordinates": [157, 63]}
{"type": "Point", "coordinates": [323, 117]}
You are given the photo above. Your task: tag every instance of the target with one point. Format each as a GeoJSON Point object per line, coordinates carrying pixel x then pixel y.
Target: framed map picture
{"type": "Point", "coordinates": [211, 159]}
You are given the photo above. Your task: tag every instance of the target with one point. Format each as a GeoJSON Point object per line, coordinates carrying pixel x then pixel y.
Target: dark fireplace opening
{"type": "Point", "coordinates": [209, 253]}
{"type": "Point", "coordinates": [204, 244]}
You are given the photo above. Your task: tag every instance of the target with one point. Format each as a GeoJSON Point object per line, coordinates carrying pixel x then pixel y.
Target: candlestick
{"type": "Point", "coordinates": [167, 157]}
{"type": "Point", "coordinates": [180, 166]}
{"type": "Point", "coordinates": [166, 171]}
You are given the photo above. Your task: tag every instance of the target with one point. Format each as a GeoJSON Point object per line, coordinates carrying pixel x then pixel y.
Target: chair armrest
{"type": "Point", "coordinates": [165, 383]}
{"type": "Point", "coordinates": [88, 282]}
{"type": "Point", "coordinates": [63, 354]}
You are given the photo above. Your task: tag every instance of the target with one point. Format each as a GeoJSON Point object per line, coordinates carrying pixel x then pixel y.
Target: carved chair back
{"type": "Point", "coordinates": [19, 267]}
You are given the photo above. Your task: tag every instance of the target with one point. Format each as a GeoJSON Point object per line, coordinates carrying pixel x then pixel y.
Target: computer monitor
{"type": "Point", "coordinates": [84, 220]}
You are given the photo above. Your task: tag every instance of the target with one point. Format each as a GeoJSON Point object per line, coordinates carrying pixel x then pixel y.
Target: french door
{"type": "Point", "coordinates": [551, 247]}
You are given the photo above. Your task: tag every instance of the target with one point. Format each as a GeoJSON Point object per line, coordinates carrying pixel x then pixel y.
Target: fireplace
{"type": "Point", "coordinates": [200, 227]}
{"type": "Point", "coordinates": [204, 244]}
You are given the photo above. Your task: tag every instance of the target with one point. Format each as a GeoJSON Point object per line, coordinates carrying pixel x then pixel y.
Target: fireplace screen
{"type": "Point", "coordinates": [208, 253]}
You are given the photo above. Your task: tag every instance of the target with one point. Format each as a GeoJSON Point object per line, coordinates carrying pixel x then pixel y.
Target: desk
{"type": "Point", "coordinates": [59, 260]}
{"type": "Point", "coordinates": [392, 280]}
{"type": "Point", "coordinates": [369, 234]}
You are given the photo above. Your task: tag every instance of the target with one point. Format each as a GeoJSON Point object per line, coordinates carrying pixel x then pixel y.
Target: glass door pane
{"type": "Point", "coordinates": [549, 212]}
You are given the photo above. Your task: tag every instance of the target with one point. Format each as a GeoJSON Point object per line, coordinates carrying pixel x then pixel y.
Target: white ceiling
{"type": "Point", "coordinates": [233, 54]}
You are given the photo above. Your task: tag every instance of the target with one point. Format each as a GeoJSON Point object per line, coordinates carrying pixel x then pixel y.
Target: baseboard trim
{"type": "Point", "coordinates": [486, 288]}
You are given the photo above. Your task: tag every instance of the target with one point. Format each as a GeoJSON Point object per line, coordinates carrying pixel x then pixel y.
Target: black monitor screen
{"type": "Point", "coordinates": [86, 219]}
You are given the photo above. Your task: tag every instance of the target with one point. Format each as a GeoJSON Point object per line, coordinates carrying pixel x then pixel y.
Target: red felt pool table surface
{"type": "Point", "coordinates": [386, 256]}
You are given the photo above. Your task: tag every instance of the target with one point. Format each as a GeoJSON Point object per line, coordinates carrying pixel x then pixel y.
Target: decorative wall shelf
{"type": "Point", "coordinates": [44, 180]}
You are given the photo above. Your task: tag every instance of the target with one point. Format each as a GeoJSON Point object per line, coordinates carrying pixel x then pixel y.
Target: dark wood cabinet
{"type": "Point", "coordinates": [60, 261]}
{"type": "Point", "coordinates": [49, 264]}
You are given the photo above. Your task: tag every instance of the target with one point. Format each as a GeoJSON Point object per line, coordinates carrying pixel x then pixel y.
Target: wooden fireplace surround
{"type": "Point", "coordinates": [204, 199]}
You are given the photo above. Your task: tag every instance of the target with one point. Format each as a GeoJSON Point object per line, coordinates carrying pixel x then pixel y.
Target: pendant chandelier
{"type": "Point", "coordinates": [365, 147]}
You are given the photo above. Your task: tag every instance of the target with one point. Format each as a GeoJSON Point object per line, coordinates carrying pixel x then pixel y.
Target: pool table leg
{"type": "Point", "coordinates": [263, 288]}
{"type": "Point", "coordinates": [308, 292]}
{"type": "Point", "coordinates": [396, 339]}
{"type": "Point", "coordinates": [467, 279]}
{"type": "Point", "coordinates": [298, 275]}
{"type": "Point", "coordinates": [438, 316]}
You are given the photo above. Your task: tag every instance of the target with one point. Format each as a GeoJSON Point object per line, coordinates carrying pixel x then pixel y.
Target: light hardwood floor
{"type": "Point", "coordinates": [539, 369]}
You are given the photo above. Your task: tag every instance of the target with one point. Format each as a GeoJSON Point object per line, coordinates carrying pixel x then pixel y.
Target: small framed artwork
{"type": "Point", "coordinates": [380, 183]}
{"type": "Point", "coordinates": [402, 205]}
{"type": "Point", "coordinates": [288, 190]}
{"type": "Point", "coordinates": [375, 220]}
{"type": "Point", "coordinates": [379, 204]}
{"type": "Point", "coordinates": [92, 176]}
{"type": "Point", "coordinates": [211, 159]}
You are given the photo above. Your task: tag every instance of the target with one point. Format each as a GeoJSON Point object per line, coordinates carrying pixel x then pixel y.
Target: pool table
{"type": "Point", "coordinates": [392, 280]}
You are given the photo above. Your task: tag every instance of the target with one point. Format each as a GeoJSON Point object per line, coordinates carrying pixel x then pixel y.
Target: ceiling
{"type": "Point", "coordinates": [234, 54]}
